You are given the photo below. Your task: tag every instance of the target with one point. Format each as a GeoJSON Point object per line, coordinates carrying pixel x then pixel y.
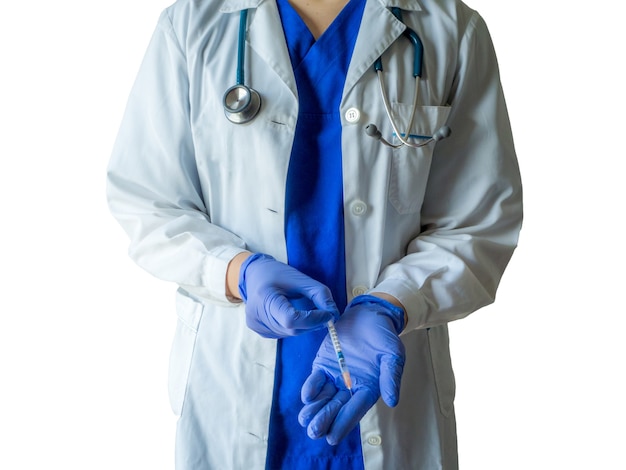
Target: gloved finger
{"type": "Point", "coordinates": [286, 317]}
{"type": "Point", "coordinates": [267, 319]}
{"type": "Point", "coordinates": [313, 385]}
{"type": "Point", "coordinates": [310, 319]}
{"type": "Point", "coordinates": [321, 423]}
{"type": "Point", "coordinates": [318, 294]}
{"type": "Point", "coordinates": [322, 298]}
{"type": "Point", "coordinates": [350, 414]}
{"type": "Point", "coordinates": [391, 368]}
{"type": "Point", "coordinates": [310, 409]}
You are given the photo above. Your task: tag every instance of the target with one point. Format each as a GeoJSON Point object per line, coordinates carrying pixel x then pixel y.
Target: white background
{"type": "Point", "coordinates": [85, 334]}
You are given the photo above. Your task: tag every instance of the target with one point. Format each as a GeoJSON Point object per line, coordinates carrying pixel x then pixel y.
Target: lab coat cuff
{"type": "Point", "coordinates": [215, 271]}
{"type": "Point", "coordinates": [411, 298]}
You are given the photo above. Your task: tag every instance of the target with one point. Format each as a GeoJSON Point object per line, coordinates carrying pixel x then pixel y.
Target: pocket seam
{"type": "Point", "coordinates": [445, 407]}
{"type": "Point", "coordinates": [189, 314]}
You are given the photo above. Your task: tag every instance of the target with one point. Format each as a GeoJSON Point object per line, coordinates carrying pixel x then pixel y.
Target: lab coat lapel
{"type": "Point", "coordinates": [266, 37]}
{"type": "Point", "coordinates": [379, 30]}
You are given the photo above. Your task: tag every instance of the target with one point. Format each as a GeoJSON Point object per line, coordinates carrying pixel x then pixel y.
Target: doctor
{"type": "Point", "coordinates": [277, 219]}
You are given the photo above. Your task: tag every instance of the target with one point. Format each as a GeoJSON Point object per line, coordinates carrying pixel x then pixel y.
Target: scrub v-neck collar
{"type": "Point", "coordinates": [314, 61]}
{"type": "Point", "coordinates": [299, 37]}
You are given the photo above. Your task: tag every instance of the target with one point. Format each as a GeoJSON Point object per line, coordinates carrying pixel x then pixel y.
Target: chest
{"type": "Point", "coordinates": [318, 14]}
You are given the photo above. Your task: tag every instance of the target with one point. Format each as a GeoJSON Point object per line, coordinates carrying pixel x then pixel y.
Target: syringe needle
{"type": "Point", "coordinates": [332, 331]}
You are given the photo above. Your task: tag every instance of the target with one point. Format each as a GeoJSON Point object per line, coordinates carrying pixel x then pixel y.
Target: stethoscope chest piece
{"type": "Point", "coordinates": [241, 104]}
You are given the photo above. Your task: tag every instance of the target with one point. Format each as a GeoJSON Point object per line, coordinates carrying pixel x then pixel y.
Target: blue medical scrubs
{"type": "Point", "coordinates": [314, 227]}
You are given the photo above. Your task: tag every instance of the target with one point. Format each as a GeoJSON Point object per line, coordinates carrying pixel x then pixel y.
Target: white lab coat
{"type": "Point", "coordinates": [434, 227]}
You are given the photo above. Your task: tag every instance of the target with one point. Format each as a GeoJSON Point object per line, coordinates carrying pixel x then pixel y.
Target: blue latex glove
{"type": "Point", "coordinates": [266, 286]}
{"type": "Point", "coordinates": [368, 332]}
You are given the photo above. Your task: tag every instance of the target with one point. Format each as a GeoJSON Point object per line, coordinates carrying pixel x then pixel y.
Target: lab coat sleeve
{"type": "Point", "coordinates": [472, 211]}
{"type": "Point", "coordinates": [153, 187]}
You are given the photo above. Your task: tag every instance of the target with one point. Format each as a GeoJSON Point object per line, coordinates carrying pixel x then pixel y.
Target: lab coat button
{"type": "Point", "coordinates": [358, 208]}
{"type": "Point", "coordinates": [359, 290]}
{"type": "Point", "coordinates": [353, 115]}
{"type": "Point", "coordinates": [374, 440]}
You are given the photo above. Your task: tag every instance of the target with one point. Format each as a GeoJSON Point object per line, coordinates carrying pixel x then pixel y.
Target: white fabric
{"type": "Point", "coordinates": [434, 227]}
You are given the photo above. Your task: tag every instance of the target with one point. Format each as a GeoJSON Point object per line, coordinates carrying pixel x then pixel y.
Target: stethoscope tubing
{"type": "Point", "coordinates": [392, 120]}
{"type": "Point", "coordinates": [241, 47]}
{"type": "Point", "coordinates": [418, 58]}
{"type": "Point", "coordinates": [242, 104]}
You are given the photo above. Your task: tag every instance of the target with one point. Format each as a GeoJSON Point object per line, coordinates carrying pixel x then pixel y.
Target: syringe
{"type": "Point", "coordinates": [340, 358]}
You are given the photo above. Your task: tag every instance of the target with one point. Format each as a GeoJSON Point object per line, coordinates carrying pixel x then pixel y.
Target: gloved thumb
{"type": "Point", "coordinates": [391, 368]}
{"type": "Point", "coordinates": [316, 302]}
{"type": "Point", "coordinates": [310, 318]}
{"type": "Point", "coordinates": [322, 299]}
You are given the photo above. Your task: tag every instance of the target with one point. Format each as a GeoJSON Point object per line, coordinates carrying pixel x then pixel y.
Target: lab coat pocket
{"type": "Point", "coordinates": [410, 166]}
{"type": "Point", "coordinates": [439, 344]}
{"type": "Point", "coordinates": [189, 312]}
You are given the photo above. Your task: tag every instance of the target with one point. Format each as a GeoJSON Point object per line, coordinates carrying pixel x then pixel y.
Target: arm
{"type": "Point", "coordinates": [472, 210]}
{"type": "Point", "coordinates": [155, 192]}
{"type": "Point", "coordinates": [392, 300]}
{"type": "Point", "coordinates": [153, 187]}
{"type": "Point", "coordinates": [232, 275]}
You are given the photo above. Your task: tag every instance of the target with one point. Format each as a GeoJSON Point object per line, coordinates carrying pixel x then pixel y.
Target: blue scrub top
{"type": "Point", "coordinates": [314, 227]}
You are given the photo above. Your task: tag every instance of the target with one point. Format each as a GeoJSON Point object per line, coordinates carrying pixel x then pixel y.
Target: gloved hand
{"type": "Point", "coordinates": [266, 286]}
{"type": "Point", "coordinates": [368, 332]}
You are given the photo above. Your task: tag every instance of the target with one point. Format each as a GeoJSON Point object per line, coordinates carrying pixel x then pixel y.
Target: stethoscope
{"type": "Point", "coordinates": [242, 103]}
